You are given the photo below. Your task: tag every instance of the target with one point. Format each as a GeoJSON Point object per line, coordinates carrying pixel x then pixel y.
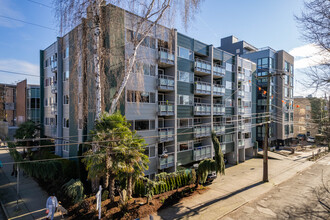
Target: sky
{"type": "Point", "coordinates": [259, 22]}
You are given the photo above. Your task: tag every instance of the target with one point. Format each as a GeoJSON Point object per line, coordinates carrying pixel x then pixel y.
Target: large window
{"type": "Point", "coordinates": [287, 66]}
{"type": "Point", "coordinates": [66, 75]}
{"type": "Point", "coordinates": [65, 99]}
{"type": "Point", "coordinates": [185, 123]}
{"type": "Point", "coordinates": [185, 53]}
{"type": "Point", "coordinates": [143, 97]}
{"type": "Point", "coordinates": [228, 138]}
{"type": "Point", "coordinates": [185, 100]}
{"type": "Point", "coordinates": [150, 151]}
{"type": "Point", "coordinates": [141, 125]}
{"type": "Point", "coordinates": [184, 146]}
{"type": "Point", "coordinates": [185, 77]}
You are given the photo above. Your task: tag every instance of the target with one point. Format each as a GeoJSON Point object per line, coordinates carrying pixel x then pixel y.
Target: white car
{"type": "Point", "coordinates": [311, 139]}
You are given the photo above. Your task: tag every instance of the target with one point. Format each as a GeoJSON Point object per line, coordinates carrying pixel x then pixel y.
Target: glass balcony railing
{"type": "Point", "coordinates": [202, 152]}
{"type": "Point", "coordinates": [218, 70]}
{"type": "Point", "coordinates": [240, 93]}
{"type": "Point", "coordinates": [240, 143]}
{"type": "Point", "coordinates": [53, 108]}
{"type": "Point", "coordinates": [218, 90]}
{"type": "Point", "coordinates": [203, 66]}
{"type": "Point", "coordinates": [240, 109]}
{"type": "Point", "coordinates": [165, 108]}
{"type": "Point", "coordinates": [219, 129]}
{"type": "Point", "coordinates": [166, 56]}
{"type": "Point", "coordinates": [166, 161]}
{"type": "Point", "coordinates": [54, 87]}
{"type": "Point", "coordinates": [240, 77]}
{"type": "Point", "coordinates": [166, 134]}
{"type": "Point", "coordinates": [219, 109]}
{"type": "Point", "coordinates": [166, 82]}
{"type": "Point", "coordinates": [202, 130]}
{"type": "Point", "coordinates": [202, 109]}
{"type": "Point", "coordinates": [203, 88]}
{"type": "Point", "coordinates": [241, 127]}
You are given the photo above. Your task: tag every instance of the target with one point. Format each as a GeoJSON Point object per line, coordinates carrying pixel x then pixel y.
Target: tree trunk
{"type": "Point", "coordinates": [197, 181]}
{"type": "Point", "coordinates": [112, 188]}
{"type": "Point", "coordinates": [129, 186]}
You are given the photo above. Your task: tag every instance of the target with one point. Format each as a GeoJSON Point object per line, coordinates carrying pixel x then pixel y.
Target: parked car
{"type": "Point", "coordinates": [301, 137]}
{"type": "Point", "coordinates": [211, 176]}
{"type": "Point", "coordinates": [311, 139]}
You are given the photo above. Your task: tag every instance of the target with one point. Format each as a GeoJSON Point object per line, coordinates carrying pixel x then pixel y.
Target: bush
{"type": "Point", "coordinates": [75, 190]}
{"type": "Point", "coordinates": [105, 195]}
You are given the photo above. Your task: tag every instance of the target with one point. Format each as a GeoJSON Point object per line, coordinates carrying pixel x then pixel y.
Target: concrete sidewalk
{"type": "Point", "coordinates": [31, 200]}
{"type": "Point", "coordinates": [241, 184]}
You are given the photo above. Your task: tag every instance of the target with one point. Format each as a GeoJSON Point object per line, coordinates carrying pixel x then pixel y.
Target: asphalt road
{"type": "Point", "coordinates": [293, 196]}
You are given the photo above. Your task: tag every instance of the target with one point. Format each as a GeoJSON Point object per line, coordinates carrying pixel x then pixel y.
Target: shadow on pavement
{"type": "Point", "coordinates": [173, 212]}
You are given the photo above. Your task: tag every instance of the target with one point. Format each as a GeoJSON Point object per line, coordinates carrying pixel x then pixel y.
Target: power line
{"type": "Point", "coordinates": [17, 73]}
{"type": "Point", "coordinates": [39, 3]}
{"type": "Point", "coordinates": [37, 25]}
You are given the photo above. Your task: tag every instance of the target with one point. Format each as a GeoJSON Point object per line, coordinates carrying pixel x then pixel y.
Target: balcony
{"type": "Point", "coordinates": [166, 134]}
{"type": "Point", "coordinates": [218, 90]}
{"type": "Point", "coordinates": [53, 108]}
{"type": "Point", "coordinates": [202, 109]}
{"type": "Point", "coordinates": [241, 144]}
{"type": "Point", "coordinates": [166, 57]}
{"type": "Point", "coordinates": [202, 152]}
{"type": "Point", "coordinates": [165, 108]}
{"type": "Point", "coordinates": [240, 77]}
{"type": "Point", "coordinates": [240, 110]}
{"type": "Point", "coordinates": [219, 129]}
{"type": "Point", "coordinates": [166, 83]}
{"type": "Point", "coordinates": [218, 109]}
{"type": "Point", "coordinates": [241, 127]}
{"type": "Point", "coordinates": [202, 131]}
{"type": "Point", "coordinates": [202, 88]}
{"type": "Point", "coordinates": [166, 161]}
{"type": "Point", "coordinates": [240, 94]}
{"type": "Point", "coordinates": [218, 71]}
{"type": "Point", "coordinates": [54, 87]}
{"type": "Point", "coordinates": [202, 67]}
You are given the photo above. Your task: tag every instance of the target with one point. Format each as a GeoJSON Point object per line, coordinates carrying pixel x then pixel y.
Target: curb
{"type": "Point", "coordinates": [4, 210]}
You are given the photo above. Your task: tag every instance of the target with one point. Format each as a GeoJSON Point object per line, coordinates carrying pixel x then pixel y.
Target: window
{"type": "Point", "coordinates": [291, 116]}
{"type": "Point", "coordinates": [144, 97]}
{"type": "Point", "coordinates": [264, 63]}
{"type": "Point", "coordinates": [229, 103]}
{"type": "Point", "coordinates": [150, 151]}
{"type": "Point", "coordinates": [185, 53]}
{"type": "Point", "coordinates": [65, 99]}
{"type": "Point", "coordinates": [149, 70]}
{"type": "Point", "coordinates": [286, 127]}
{"type": "Point", "coordinates": [286, 116]}
{"type": "Point", "coordinates": [228, 120]}
{"type": "Point", "coordinates": [287, 66]}
{"type": "Point", "coordinates": [46, 102]}
{"type": "Point", "coordinates": [308, 107]}
{"type": "Point", "coordinates": [291, 128]}
{"type": "Point", "coordinates": [287, 79]}
{"type": "Point", "coordinates": [66, 75]}
{"type": "Point", "coordinates": [66, 146]}
{"type": "Point", "coordinates": [185, 123]}
{"type": "Point", "coordinates": [46, 63]}
{"type": "Point", "coordinates": [141, 125]}
{"type": "Point", "coordinates": [66, 53]}
{"type": "Point", "coordinates": [183, 146]}
{"type": "Point", "coordinates": [65, 123]}
{"type": "Point", "coordinates": [228, 138]}
{"type": "Point", "coordinates": [185, 77]}
{"type": "Point", "coordinates": [185, 100]}
{"type": "Point", "coordinates": [307, 116]}
{"type": "Point", "coordinates": [46, 121]}
{"type": "Point", "coordinates": [229, 85]}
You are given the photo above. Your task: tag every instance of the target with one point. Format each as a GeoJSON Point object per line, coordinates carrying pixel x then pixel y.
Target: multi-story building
{"type": "Point", "coordinates": [303, 122]}
{"type": "Point", "coordinates": [8, 103]}
{"type": "Point", "coordinates": [278, 64]}
{"type": "Point", "coordinates": [28, 102]}
{"type": "Point", "coordinates": [185, 90]}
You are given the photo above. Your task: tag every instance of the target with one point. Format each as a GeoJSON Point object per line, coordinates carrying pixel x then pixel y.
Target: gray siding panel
{"type": "Point", "coordinates": [201, 48]}
{"type": "Point", "coordinates": [185, 88]}
{"type": "Point", "coordinates": [185, 157]}
{"type": "Point", "coordinates": [186, 42]}
{"type": "Point", "coordinates": [185, 111]}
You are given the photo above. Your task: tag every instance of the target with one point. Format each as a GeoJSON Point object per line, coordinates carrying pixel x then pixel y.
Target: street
{"type": "Point", "coordinates": [287, 197]}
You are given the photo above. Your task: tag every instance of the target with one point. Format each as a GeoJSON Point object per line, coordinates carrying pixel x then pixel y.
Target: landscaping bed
{"type": "Point", "coordinates": [137, 207]}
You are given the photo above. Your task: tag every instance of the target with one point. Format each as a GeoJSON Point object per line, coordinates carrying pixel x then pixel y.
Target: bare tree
{"type": "Point", "coordinates": [149, 13]}
{"type": "Point", "coordinates": [314, 23]}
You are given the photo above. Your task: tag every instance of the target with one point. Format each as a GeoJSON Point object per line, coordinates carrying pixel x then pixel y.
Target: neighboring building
{"type": "Point", "coordinates": [189, 88]}
{"type": "Point", "coordinates": [8, 104]}
{"type": "Point", "coordinates": [280, 64]}
{"type": "Point", "coordinates": [28, 102]}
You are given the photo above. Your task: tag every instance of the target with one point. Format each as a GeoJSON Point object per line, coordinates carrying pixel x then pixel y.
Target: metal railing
{"type": "Point", "coordinates": [219, 109]}
{"type": "Point", "coordinates": [166, 82]}
{"type": "Point", "coordinates": [240, 77]}
{"type": "Point", "coordinates": [203, 66]}
{"type": "Point", "coordinates": [203, 88]}
{"type": "Point", "coordinates": [202, 152]}
{"type": "Point", "coordinates": [166, 134]}
{"type": "Point", "coordinates": [202, 109]}
{"type": "Point", "coordinates": [166, 56]}
{"type": "Point", "coordinates": [166, 161]}
{"type": "Point", "coordinates": [218, 89]}
{"type": "Point", "coordinates": [218, 70]}
{"type": "Point", "coordinates": [202, 130]}
{"type": "Point", "coordinates": [165, 108]}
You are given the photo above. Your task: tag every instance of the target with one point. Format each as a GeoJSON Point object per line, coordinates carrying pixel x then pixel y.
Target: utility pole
{"type": "Point", "coordinates": [265, 147]}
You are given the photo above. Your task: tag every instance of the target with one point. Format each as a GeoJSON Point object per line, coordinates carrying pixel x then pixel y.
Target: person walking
{"type": "Point", "coordinates": [51, 206]}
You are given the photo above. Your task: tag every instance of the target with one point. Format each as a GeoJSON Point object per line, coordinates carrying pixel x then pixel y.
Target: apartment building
{"type": "Point", "coordinates": [8, 103]}
{"type": "Point", "coordinates": [279, 64]}
{"type": "Point", "coordinates": [180, 91]}
{"type": "Point", "coordinates": [303, 123]}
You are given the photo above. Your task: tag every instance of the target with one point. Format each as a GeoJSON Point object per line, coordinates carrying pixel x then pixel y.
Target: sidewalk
{"type": "Point", "coordinates": [32, 199]}
{"type": "Point", "coordinates": [241, 184]}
